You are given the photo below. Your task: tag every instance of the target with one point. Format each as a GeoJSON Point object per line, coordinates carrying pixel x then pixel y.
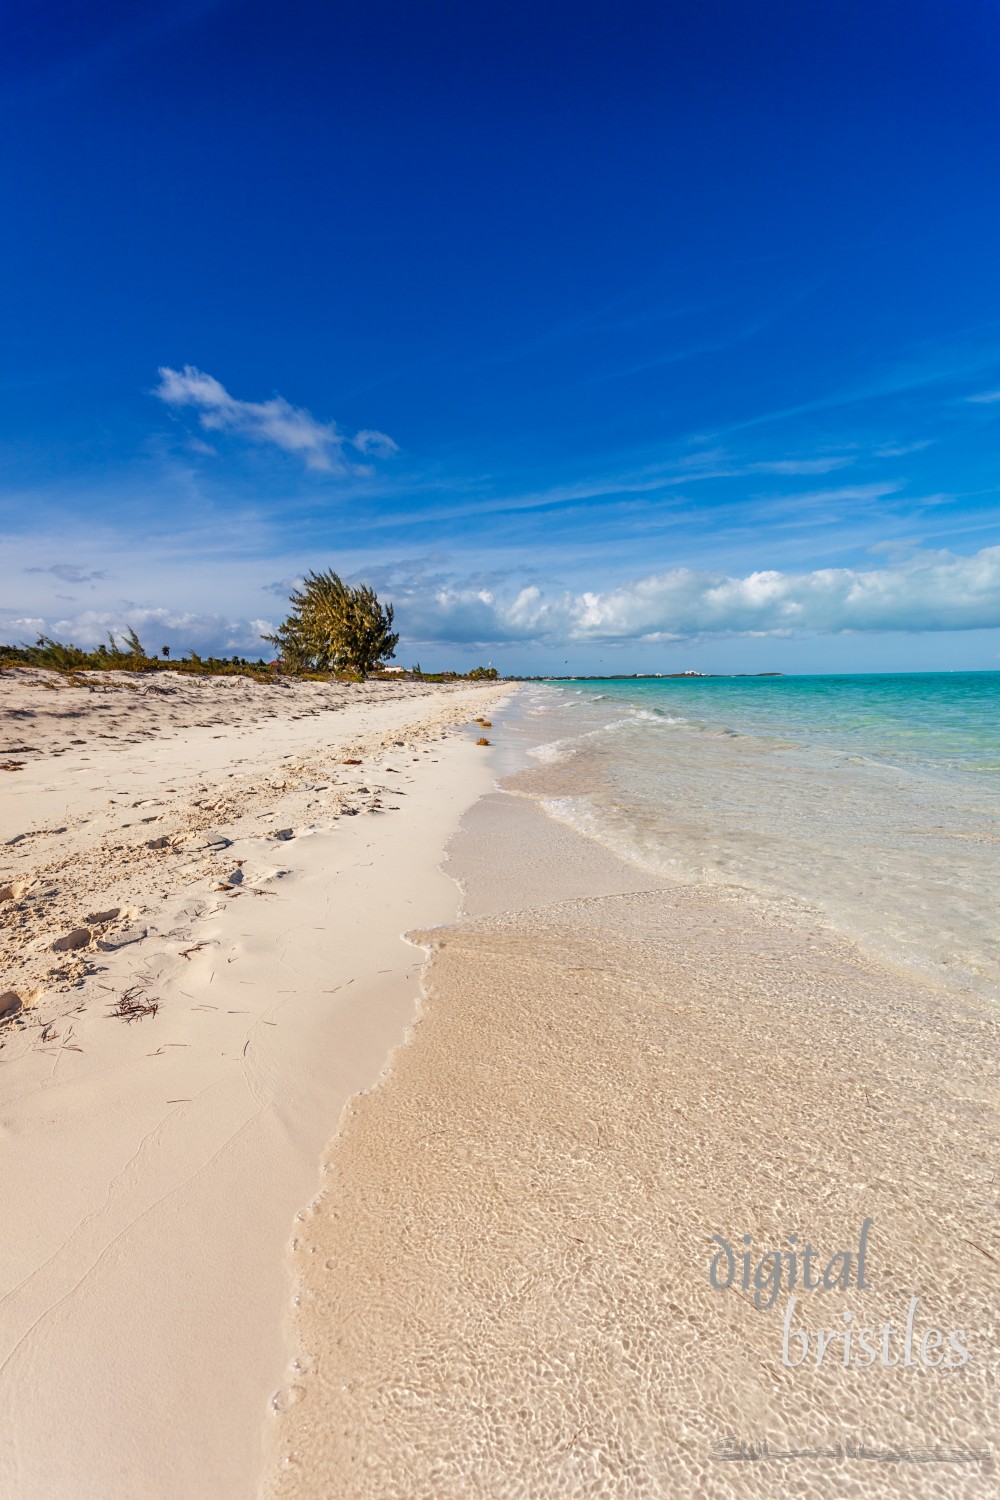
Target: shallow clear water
{"type": "Point", "coordinates": [873, 799]}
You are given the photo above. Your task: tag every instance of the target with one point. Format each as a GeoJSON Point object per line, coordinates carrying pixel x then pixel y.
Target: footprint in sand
{"type": "Point", "coordinates": [123, 939]}
{"type": "Point", "coordinates": [10, 1004]}
{"type": "Point", "coordinates": [72, 941]}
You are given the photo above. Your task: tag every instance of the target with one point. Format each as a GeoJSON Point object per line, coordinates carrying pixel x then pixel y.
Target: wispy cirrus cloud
{"type": "Point", "coordinates": [939, 366]}
{"type": "Point", "coordinates": [69, 573]}
{"type": "Point", "coordinates": [806, 500]}
{"type": "Point", "coordinates": [277, 422]}
{"type": "Point", "coordinates": [802, 465]}
{"type": "Point", "coordinates": [377, 443]}
{"type": "Point", "coordinates": [901, 450]}
{"type": "Point", "coordinates": [984, 398]}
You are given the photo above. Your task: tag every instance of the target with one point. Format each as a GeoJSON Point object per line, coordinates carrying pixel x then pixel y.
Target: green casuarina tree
{"type": "Point", "coordinates": [133, 647]}
{"type": "Point", "coordinates": [333, 625]}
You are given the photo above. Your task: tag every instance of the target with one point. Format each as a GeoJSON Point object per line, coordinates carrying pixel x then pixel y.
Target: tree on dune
{"type": "Point", "coordinates": [333, 626]}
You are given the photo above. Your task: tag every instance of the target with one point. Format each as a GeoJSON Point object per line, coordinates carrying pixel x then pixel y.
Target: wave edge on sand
{"type": "Point", "coordinates": [505, 1291]}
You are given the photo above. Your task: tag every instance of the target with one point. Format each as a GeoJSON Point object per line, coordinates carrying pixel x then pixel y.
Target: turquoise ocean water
{"type": "Point", "coordinates": [874, 800]}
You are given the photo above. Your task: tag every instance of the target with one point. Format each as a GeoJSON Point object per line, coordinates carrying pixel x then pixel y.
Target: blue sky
{"type": "Point", "coordinates": [596, 336]}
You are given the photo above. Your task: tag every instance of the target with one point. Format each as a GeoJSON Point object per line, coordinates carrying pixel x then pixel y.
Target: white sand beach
{"type": "Point", "coordinates": [293, 1213]}
{"type": "Point", "coordinates": [233, 866]}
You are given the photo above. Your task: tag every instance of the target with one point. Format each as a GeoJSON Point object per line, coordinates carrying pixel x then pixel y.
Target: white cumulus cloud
{"type": "Point", "coordinates": [927, 591]}
{"type": "Point", "coordinates": [320, 445]}
{"type": "Point", "coordinates": [192, 604]}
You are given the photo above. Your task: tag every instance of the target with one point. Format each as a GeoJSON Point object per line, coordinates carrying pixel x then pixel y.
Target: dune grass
{"type": "Point", "coordinates": [129, 655]}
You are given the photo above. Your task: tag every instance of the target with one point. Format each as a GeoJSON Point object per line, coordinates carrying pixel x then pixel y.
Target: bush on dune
{"type": "Point", "coordinates": [334, 626]}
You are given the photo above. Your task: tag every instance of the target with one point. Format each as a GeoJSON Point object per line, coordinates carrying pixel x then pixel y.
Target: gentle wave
{"type": "Point", "coordinates": [871, 803]}
{"type": "Point", "coordinates": [554, 751]}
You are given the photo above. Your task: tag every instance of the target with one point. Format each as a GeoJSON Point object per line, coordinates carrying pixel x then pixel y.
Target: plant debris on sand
{"type": "Point", "coordinates": [132, 1006]}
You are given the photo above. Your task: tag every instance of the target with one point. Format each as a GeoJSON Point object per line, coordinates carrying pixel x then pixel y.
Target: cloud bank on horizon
{"type": "Point", "coordinates": [930, 592]}
{"type": "Point", "coordinates": [925, 592]}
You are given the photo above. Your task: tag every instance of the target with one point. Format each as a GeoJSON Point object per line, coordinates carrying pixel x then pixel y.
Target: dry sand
{"type": "Point", "coordinates": [504, 1287]}
{"type": "Point", "coordinates": [206, 850]}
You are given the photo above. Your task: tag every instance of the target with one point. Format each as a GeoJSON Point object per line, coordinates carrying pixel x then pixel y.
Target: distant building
{"type": "Point", "coordinates": [393, 669]}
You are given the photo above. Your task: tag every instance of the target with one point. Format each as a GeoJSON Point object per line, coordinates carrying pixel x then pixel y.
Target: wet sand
{"type": "Point", "coordinates": [505, 1283]}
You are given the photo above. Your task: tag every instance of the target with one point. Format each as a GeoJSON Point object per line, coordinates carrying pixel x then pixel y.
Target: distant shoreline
{"type": "Point", "coordinates": [640, 676]}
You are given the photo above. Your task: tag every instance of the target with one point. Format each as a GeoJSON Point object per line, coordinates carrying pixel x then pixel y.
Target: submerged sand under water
{"type": "Point", "coordinates": [504, 1286]}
